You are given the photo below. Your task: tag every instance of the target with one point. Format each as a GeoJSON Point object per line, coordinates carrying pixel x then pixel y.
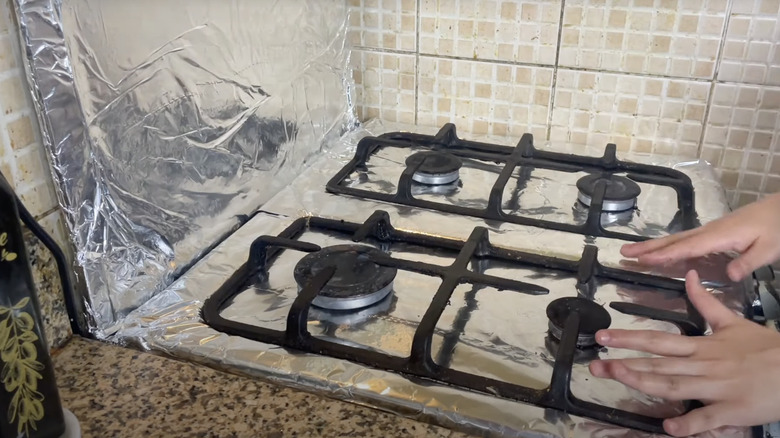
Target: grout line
{"type": "Point", "coordinates": [383, 50]}
{"type": "Point", "coordinates": [553, 67]}
{"type": "Point", "coordinates": [551, 103]}
{"type": "Point", "coordinates": [417, 63]}
{"type": "Point", "coordinates": [46, 213]}
{"type": "Point", "coordinates": [714, 82]}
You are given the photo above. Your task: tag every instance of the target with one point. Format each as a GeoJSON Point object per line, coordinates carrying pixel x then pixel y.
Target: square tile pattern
{"type": "Point", "coordinates": [742, 141]}
{"type": "Point", "coordinates": [385, 24]}
{"type": "Point", "coordinates": [384, 85]}
{"type": "Point", "coordinates": [687, 77]}
{"type": "Point", "coordinates": [750, 50]}
{"type": "Point", "coordinates": [484, 98]}
{"type": "Point", "coordinates": [645, 115]}
{"type": "Point", "coordinates": [666, 37]}
{"type": "Point", "coordinates": [507, 30]}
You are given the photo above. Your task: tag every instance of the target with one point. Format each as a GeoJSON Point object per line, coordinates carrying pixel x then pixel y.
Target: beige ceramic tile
{"type": "Point", "coordinates": [741, 138]}
{"type": "Point", "coordinates": [54, 225]}
{"type": "Point", "coordinates": [636, 113]}
{"type": "Point", "coordinates": [8, 59]}
{"type": "Point", "coordinates": [662, 37]}
{"type": "Point", "coordinates": [385, 24]}
{"type": "Point", "coordinates": [12, 95]}
{"type": "Point", "coordinates": [750, 52]}
{"type": "Point", "coordinates": [484, 98]}
{"type": "Point", "coordinates": [21, 132]}
{"type": "Point", "coordinates": [385, 85]}
{"type": "Point", "coordinates": [505, 30]}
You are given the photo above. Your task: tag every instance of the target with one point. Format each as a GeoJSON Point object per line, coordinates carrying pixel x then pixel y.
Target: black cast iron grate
{"type": "Point", "coordinates": [524, 156]}
{"type": "Point", "coordinates": [419, 363]}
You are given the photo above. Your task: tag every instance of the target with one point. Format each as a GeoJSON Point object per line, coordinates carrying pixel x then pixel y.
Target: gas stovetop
{"type": "Point", "coordinates": [457, 281]}
{"type": "Point", "coordinates": [607, 188]}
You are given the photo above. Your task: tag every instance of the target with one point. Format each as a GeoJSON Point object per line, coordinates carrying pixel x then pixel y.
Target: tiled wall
{"type": "Point", "coordinates": [23, 163]}
{"type": "Point", "coordinates": [698, 78]}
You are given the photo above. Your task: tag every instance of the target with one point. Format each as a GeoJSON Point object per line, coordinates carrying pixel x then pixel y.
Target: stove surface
{"type": "Point", "coordinates": [475, 349]}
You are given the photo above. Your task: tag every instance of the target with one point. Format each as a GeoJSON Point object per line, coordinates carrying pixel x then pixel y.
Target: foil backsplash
{"type": "Point", "coordinates": [168, 123]}
{"type": "Point", "coordinates": [171, 322]}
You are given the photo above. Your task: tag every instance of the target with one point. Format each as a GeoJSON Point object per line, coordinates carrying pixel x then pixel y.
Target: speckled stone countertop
{"type": "Point", "coordinates": [118, 392]}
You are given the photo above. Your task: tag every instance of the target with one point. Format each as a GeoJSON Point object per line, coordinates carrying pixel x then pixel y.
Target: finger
{"type": "Point", "coordinates": [700, 420]}
{"type": "Point", "coordinates": [639, 248]}
{"type": "Point", "coordinates": [648, 341]}
{"type": "Point", "coordinates": [667, 387]}
{"type": "Point", "coordinates": [697, 245]}
{"type": "Point", "coordinates": [713, 311]}
{"type": "Point", "coordinates": [757, 254]}
{"type": "Point", "coordinates": [659, 365]}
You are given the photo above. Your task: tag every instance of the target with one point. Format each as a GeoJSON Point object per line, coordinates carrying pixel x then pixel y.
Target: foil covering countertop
{"type": "Point", "coordinates": [121, 393]}
{"type": "Point", "coordinates": [512, 349]}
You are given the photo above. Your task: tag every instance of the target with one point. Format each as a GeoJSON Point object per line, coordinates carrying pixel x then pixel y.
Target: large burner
{"type": "Point", "coordinates": [357, 283]}
{"type": "Point", "coordinates": [437, 168]}
{"type": "Point", "coordinates": [592, 319]}
{"type": "Point", "coordinates": [620, 195]}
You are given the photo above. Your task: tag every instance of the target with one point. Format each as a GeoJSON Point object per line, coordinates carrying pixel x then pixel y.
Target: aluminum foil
{"type": "Point", "coordinates": [505, 333]}
{"type": "Point", "coordinates": [168, 123]}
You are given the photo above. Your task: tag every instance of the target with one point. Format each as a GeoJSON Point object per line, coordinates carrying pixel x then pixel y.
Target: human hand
{"type": "Point", "coordinates": [735, 372]}
{"type": "Point", "coordinates": [753, 231]}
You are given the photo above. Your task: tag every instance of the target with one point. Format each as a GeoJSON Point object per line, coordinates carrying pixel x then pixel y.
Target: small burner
{"type": "Point", "coordinates": [608, 218]}
{"type": "Point", "coordinates": [353, 318]}
{"type": "Point", "coordinates": [620, 195]}
{"type": "Point", "coordinates": [592, 319]}
{"type": "Point", "coordinates": [357, 283]}
{"type": "Point", "coordinates": [437, 168]}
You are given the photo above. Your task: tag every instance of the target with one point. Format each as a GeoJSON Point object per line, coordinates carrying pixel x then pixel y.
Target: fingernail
{"type": "Point", "coordinates": [602, 337]}
{"type": "Point", "coordinates": [671, 426]}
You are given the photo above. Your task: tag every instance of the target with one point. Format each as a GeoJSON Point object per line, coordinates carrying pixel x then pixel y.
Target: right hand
{"type": "Point", "coordinates": [753, 231]}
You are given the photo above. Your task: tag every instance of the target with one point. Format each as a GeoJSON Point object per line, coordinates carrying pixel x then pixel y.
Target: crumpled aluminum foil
{"type": "Point", "coordinates": [231, 102]}
{"type": "Point", "coordinates": [171, 323]}
{"type": "Point", "coordinates": [168, 123]}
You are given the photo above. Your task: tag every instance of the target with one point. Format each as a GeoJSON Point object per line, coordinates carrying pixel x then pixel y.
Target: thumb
{"type": "Point", "coordinates": [757, 254]}
{"type": "Point", "coordinates": [713, 311]}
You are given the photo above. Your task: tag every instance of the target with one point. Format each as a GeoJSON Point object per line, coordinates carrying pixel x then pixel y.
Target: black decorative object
{"type": "Point", "coordinates": [29, 401]}
{"type": "Point", "coordinates": [522, 157]}
{"type": "Point", "coordinates": [577, 318]}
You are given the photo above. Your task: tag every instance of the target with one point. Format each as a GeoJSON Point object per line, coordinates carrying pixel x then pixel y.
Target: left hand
{"type": "Point", "coordinates": [735, 372]}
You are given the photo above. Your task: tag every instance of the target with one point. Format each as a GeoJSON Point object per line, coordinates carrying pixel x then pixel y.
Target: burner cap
{"type": "Point", "coordinates": [357, 283]}
{"type": "Point", "coordinates": [620, 195]}
{"type": "Point", "coordinates": [592, 319]}
{"type": "Point", "coordinates": [437, 167]}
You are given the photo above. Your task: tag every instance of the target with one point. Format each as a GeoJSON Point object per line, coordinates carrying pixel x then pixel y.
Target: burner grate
{"type": "Point", "coordinates": [419, 362]}
{"type": "Point", "coordinates": [523, 156]}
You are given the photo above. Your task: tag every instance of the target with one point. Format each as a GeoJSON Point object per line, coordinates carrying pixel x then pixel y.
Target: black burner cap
{"type": "Point", "coordinates": [356, 275]}
{"type": "Point", "coordinates": [592, 316]}
{"type": "Point", "coordinates": [436, 163]}
{"type": "Point", "coordinates": [619, 188]}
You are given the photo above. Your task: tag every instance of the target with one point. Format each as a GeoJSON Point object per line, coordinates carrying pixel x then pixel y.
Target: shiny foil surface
{"type": "Point", "coordinates": [180, 131]}
{"type": "Point", "coordinates": [167, 123]}
{"type": "Point", "coordinates": [505, 333]}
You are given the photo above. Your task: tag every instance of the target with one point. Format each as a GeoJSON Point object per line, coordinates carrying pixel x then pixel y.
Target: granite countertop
{"type": "Point", "coordinates": [119, 392]}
